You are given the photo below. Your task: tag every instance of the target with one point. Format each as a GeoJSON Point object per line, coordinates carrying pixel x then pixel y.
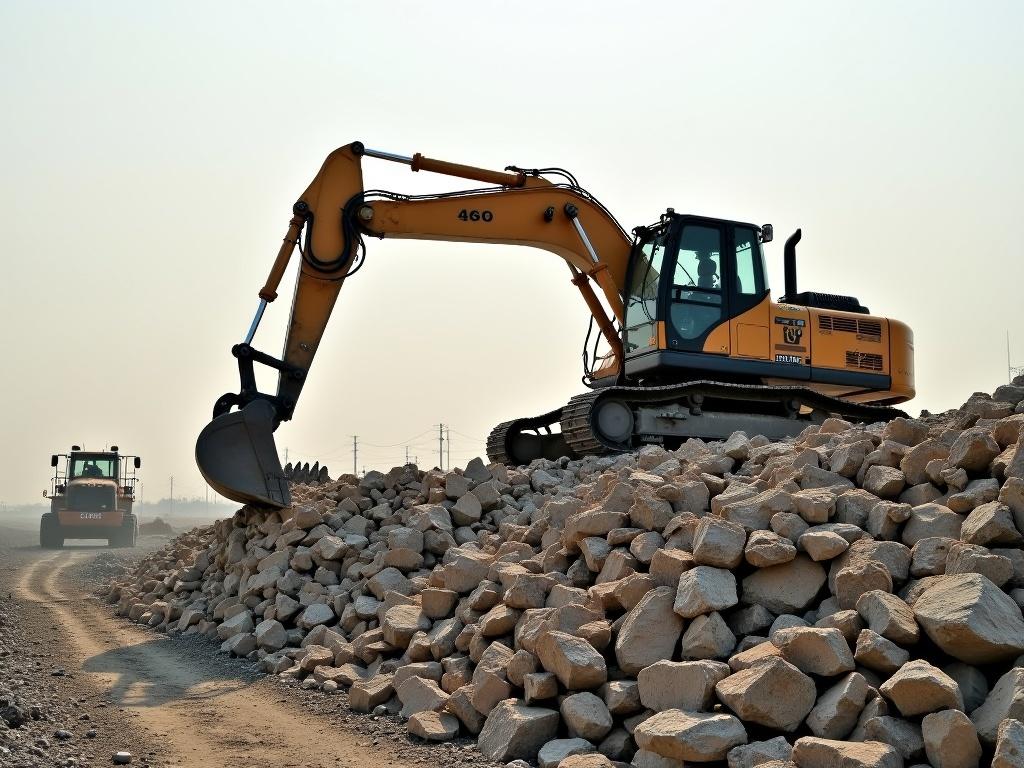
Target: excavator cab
{"type": "Point", "coordinates": [689, 276]}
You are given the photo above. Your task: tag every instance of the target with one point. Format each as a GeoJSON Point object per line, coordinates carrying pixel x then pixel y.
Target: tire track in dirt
{"type": "Point", "coordinates": [203, 711]}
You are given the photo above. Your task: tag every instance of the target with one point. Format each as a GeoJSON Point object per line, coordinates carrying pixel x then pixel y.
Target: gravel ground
{"type": "Point", "coordinates": [49, 716]}
{"type": "Point", "coordinates": [377, 729]}
{"type": "Point", "coordinates": [60, 719]}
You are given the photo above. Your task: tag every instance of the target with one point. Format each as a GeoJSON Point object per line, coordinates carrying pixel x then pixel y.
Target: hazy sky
{"type": "Point", "coordinates": [150, 156]}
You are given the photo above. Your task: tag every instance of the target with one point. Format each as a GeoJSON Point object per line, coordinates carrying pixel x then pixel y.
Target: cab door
{"type": "Point", "coordinates": [749, 300]}
{"type": "Point", "coordinates": [698, 300]}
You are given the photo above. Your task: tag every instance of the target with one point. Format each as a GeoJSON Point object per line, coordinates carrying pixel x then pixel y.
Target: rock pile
{"type": "Point", "coordinates": [850, 597]}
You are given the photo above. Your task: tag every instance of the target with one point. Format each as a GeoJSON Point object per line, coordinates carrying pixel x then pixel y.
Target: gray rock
{"type": "Point", "coordinates": [688, 685]}
{"type": "Point", "coordinates": [878, 654]}
{"type": "Point", "coordinates": [556, 750]}
{"type": "Point", "coordinates": [586, 716]}
{"type": "Point", "coordinates": [814, 650]}
{"type": "Point", "coordinates": [1009, 745]}
{"type": "Point", "coordinates": [514, 731]}
{"type": "Point", "coordinates": [705, 589]}
{"type": "Point", "coordinates": [950, 740]}
{"type": "Point", "coordinates": [760, 752]}
{"type": "Point", "coordinates": [835, 714]}
{"type": "Point", "coordinates": [787, 588]}
{"type": "Point", "coordinates": [1006, 700]}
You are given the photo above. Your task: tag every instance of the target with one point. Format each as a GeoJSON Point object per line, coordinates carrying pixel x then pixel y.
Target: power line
{"type": "Point", "coordinates": [401, 442]}
{"type": "Point", "coordinates": [469, 437]}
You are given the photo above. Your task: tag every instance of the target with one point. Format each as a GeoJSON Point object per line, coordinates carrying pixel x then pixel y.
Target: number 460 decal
{"type": "Point", "coordinates": [475, 215]}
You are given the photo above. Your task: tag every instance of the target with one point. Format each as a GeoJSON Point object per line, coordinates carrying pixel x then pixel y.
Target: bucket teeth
{"type": "Point", "coordinates": [303, 474]}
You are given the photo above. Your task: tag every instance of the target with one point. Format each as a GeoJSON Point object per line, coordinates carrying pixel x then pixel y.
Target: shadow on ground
{"type": "Point", "coordinates": [158, 672]}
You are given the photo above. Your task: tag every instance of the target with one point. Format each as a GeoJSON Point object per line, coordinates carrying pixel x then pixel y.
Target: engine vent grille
{"type": "Point", "coordinates": [850, 325]}
{"type": "Point", "coordinates": [864, 360]}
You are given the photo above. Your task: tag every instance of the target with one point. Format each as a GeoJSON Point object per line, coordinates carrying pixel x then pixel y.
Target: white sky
{"type": "Point", "coordinates": [150, 155]}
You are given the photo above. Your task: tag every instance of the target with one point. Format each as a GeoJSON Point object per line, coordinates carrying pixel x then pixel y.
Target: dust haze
{"type": "Point", "coordinates": [151, 158]}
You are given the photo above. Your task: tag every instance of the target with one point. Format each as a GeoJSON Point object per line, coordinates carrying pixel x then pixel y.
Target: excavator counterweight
{"type": "Point", "coordinates": [696, 346]}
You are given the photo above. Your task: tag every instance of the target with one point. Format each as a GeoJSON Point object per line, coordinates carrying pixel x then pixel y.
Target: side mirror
{"type": "Point", "coordinates": [53, 460]}
{"type": "Point", "coordinates": [138, 462]}
{"type": "Point", "coordinates": [767, 233]}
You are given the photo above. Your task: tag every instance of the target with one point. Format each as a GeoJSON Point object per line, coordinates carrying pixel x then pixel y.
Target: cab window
{"type": "Point", "coordinates": [749, 263]}
{"type": "Point", "coordinates": [642, 297]}
{"type": "Point", "coordinates": [92, 466]}
{"type": "Point", "coordinates": [697, 282]}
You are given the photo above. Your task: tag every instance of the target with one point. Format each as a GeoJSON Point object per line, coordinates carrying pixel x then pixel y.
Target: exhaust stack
{"type": "Point", "coordinates": [789, 264]}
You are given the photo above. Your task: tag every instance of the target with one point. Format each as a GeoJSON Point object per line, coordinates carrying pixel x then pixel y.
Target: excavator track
{"type": "Point", "coordinates": [520, 441]}
{"type": "Point", "coordinates": [603, 421]}
{"type": "Point", "coordinates": [619, 419]}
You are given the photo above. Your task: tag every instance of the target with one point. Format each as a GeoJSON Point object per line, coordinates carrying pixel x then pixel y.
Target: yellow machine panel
{"type": "Point", "coordinates": [791, 342]}
{"type": "Point", "coordinates": [847, 341]}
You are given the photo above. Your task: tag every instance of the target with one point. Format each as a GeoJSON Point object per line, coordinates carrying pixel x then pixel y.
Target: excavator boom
{"type": "Point", "coordinates": [236, 452]}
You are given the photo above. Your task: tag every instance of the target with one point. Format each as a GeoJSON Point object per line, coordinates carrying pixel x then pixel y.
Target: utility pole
{"type": "Point", "coordinates": [172, 495]}
{"type": "Point", "coordinates": [286, 455]}
{"type": "Point", "coordinates": [355, 454]}
{"type": "Point", "coordinates": [407, 455]}
{"type": "Point", "coordinates": [440, 445]}
{"type": "Point", "coordinates": [448, 435]}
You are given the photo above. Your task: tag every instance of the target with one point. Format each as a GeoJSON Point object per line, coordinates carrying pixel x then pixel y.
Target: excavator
{"type": "Point", "coordinates": [696, 347]}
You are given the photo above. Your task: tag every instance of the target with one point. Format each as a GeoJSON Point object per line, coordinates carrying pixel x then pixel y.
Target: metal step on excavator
{"type": "Point", "coordinates": [696, 345]}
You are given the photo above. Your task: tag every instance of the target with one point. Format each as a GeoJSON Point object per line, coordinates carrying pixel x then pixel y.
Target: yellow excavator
{"type": "Point", "coordinates": [696, 346]}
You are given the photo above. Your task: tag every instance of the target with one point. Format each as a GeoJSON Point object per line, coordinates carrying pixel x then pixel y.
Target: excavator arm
{"type": "Point", "coordinates": [236, 452]}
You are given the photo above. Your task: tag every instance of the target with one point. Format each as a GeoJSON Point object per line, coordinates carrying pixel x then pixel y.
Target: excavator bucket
{"type": "Point", "coordinates": [237, 456]}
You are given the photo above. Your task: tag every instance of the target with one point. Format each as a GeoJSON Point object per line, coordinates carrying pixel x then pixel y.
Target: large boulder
{"type": "Point", "coordinates": [971, 619]}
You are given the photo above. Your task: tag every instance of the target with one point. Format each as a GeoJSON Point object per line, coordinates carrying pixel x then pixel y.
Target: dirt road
{"type": "Point", "coordinates": [177, 702]}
